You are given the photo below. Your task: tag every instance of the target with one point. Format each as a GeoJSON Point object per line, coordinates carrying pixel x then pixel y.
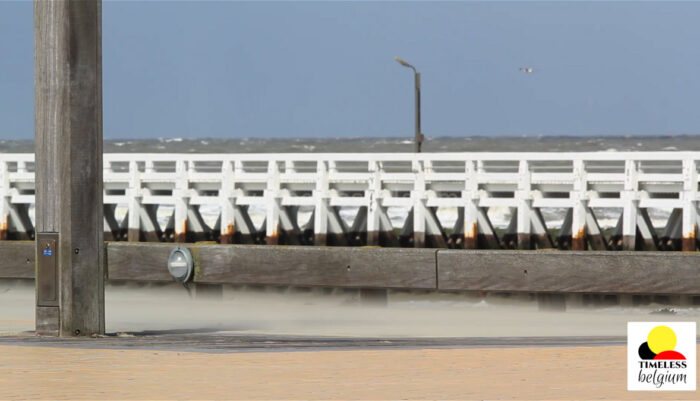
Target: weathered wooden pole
{"type": "Point", "coordinates": [68, 124]}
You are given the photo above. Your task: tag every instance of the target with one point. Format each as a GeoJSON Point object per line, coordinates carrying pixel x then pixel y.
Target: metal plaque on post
{"type": "Point", "coordinates": [47, 269]}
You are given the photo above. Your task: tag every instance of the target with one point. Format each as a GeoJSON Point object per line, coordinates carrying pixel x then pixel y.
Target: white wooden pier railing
{"type": "Point", "coordinates": [470, 183]}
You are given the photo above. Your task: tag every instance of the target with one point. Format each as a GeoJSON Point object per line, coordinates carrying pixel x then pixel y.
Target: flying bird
{"type": "Point", "coordinates": [527, 70]}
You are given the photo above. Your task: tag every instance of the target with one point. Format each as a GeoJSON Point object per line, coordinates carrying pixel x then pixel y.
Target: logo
{"type": "Point", "coordinates": [661, 356]}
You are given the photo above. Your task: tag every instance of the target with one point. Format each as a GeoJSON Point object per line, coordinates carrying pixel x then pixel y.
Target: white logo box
{"type": "Point", "coordinates": [656, 375]}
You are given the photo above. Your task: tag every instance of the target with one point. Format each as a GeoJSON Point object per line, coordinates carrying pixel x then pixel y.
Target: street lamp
{"type": "Point", "coordinates": [419, 135]}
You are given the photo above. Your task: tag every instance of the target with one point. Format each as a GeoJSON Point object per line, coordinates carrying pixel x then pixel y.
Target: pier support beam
{"type": "Point", "coordinates": [629, 225]}
{"type": "Point", "coordinates": [467, 224]}
{"type": "Point", "coordinates": [579, 212]}
{"type": "Point", "coordinates": [672, 234]}
{"type": "Point", "coordinates": [68, 124]}
{"type": "Point", "coordinates": [540, 236]}
{"type": "Point", "coordinates": [5, 205]}
{"type": "Point", "coordinates": [468, 217]}
{"type": "Point", "coordinates": [182, 202]}
{"type": "Point", "coordinates": [280, 221]}
{"type": "Point", "coordinates": [578, 225]}
{"type": "Point", "coordinates": [418, 212]}
{"type": "Point", "coordinates": [111, 226]}
{"type": "Point", "coordinates": [690, 226]}
{"type": "Point", "coordinates": [133, 217]}
{"type": "Point", "coordinates": [227, 219]}
{"type": "Point", "coordinates": [378, 226]}
{"type": "Point", "coordinates": [523, 224]}
{"type": "Point", "coordinates": [647, 238]}
{"type": "Point", "coordinates": [523, 198]}
{"type": "Point", "coordinates": [19, 224]}
{"type": "Point", "coordinates": [631, 206]}
{"type": "Point", "coordinates": [379, 230]}
{"type": "Point", "coordinates": [690, 206]}
{"type": "Point", "coordinates": [594, 235]}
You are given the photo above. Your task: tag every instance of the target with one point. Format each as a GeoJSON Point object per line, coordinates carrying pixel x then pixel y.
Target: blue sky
{"type": "Point", "coordinates": [326, 69]}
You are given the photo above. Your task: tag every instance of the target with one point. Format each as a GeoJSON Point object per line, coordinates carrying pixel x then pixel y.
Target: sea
{"type": "Point", "coordinates": [540, 143]}
{"type": "Point", "coordinates": [499, 217]}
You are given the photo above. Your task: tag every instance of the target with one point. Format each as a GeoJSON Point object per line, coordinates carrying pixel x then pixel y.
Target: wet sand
{"type": "Point", "coordinates": [485, 373]}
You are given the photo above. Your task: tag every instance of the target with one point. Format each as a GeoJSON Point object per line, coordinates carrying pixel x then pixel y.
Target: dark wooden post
{"type": "Point", "coordinates": [68, 124]}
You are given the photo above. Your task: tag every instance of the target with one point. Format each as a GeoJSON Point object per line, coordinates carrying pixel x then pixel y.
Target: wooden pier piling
{"type": "Point", "coordinates": [69, 208]}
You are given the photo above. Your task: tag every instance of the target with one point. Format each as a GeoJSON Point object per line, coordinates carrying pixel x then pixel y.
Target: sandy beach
{"type": "Point", "coordinates": [488, 373]}
{"type": "Point", "coordinates": [68, 371]}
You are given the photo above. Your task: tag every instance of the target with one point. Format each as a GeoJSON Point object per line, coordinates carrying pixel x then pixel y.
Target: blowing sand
{"type": "Point", "coordinates": [319, 313]}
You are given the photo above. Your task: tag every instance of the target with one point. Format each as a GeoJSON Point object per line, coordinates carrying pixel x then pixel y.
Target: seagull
{"type": "Point", "coordinates": [527, 70]}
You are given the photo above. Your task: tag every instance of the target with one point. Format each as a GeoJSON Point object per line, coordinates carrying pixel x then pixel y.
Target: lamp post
{"type": "Point", "coordinates": [418, 134]}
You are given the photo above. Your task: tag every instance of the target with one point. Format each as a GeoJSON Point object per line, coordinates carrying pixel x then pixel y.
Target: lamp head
{"type": "Point", "coordinates": [181, 264]}
{"type": "Point", "coordinates": [403, 62]}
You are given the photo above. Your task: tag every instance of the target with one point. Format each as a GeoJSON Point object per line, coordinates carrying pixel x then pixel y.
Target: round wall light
{"type": "Point", "coordinates": [181, 264]}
